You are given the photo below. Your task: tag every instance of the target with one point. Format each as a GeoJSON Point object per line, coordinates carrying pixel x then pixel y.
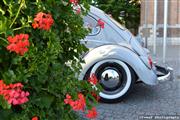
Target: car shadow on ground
{"type": "Point", "coordinates": [161, 99]}
{"type": "Point", "coordinates": [142, 92]}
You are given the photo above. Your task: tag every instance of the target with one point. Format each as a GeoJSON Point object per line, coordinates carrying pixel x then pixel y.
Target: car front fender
{"type": "Point", "coordinates": [122, 53]}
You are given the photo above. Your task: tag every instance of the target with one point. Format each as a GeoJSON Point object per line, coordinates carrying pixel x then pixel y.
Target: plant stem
{"type": "Point", "coordinates": [19, 28]}
{"type": "Point", "coordinates": [4, 40]}
{"type": "Point", "coordinates": [56, 95]}
{"type": "Point", "coordinates": [21, 4]}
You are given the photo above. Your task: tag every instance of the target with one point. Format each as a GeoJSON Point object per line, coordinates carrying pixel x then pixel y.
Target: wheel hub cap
{"type": "Point", "coordinates": [110, 78]}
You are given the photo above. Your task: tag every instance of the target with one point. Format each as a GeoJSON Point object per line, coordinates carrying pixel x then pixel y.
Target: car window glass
{"type": "Point", "coordinates": [91, 23]}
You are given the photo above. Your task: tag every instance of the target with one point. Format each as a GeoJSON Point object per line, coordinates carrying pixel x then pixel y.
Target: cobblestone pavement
{"type": "Point", "coordinates": [162, 99]}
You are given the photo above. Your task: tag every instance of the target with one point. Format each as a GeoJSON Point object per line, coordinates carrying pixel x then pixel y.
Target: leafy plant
{"type": "Point", "coordinates": [40, 49]}
{"type": "Point", "coordinates": [127, 12]}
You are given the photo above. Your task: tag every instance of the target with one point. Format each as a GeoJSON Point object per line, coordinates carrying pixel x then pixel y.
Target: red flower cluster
{"type": "Point", "coordinates": [35, 118]}
{"type": "Point", "coordinates": [13, 93]}
{"type": "Point", "coordinates": [76, 6]}
{"type": "Point", "coordinates": [95, 96]}
{"type": "Point", "coordinates": [93, 79]}
{"type": "Point", "coordinates": [80, 104]}
{"type": "Point", "coordinates": [78, 11]}
{"type": "Point", "coordinates": [77, 105]}
{"type": "Point", "coordinates": [18, 43]}
{"type": "Point", "coordinates": [43, 21]}
{"type": "Point", "coordinates": [92, 113]}
{"type": "Point", "coordinates": [73, 2]}
{"type": "Point", "coordinates": [101, 23]}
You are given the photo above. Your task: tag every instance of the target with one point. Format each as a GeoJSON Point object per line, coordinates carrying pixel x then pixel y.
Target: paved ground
{"type": "Point", "coordinates": [163, 99]}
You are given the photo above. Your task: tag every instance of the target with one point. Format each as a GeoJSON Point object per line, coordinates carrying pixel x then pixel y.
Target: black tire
{"type": "Point", "coordinates": [116, 78]}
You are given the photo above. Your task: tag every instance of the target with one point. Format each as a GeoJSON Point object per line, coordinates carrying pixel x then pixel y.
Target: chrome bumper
{"type": "Point", "coordinates": [164, 74]}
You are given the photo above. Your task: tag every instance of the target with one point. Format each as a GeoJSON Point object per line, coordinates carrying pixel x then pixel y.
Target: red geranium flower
{"type": "Point", "coordinates": [77, 105]}
{"type": "Point", "coordinates": [78, 11]}
{"type": "Point", "coordinates": [2, 87]}
{"type": "Point", "coordinates": [68, 99]}
{"type": "Point", "coordinates": [93, 79]}
{"type": "Point", "coordinates": [13, 93]}
{"type": "Point", "coordinates": [92, 113]}
{"type": "Point", "coordinates": [43, 21]}
{"type": "Point", "coordinates": [80, 103]}
{"type": "Point", "coordinates": [35, 118]}
{"type": "Point", "coordinates": [18, 43]}
{"type": "Point", "coordinates": [101, 23]}
{"type": "Point", "coordinates": [95, 96]}
{"type": "Point", "coordinates": [74, 1]}
{"type": "Point", "coordinates": [35, 25]}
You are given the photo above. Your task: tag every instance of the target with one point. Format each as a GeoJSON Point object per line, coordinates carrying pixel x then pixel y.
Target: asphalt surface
{"type": "Point", "coordinates": [146, 101]}
{"type": "Point", "coordinates": [163, 99]}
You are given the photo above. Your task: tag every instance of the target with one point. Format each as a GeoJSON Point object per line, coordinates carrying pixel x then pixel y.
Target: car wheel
{"type": "Point", "coordinates": [116, 79]}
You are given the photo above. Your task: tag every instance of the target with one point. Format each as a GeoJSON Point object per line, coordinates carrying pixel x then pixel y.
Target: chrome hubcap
{"type": "Point", "coordinates": [110, 78]}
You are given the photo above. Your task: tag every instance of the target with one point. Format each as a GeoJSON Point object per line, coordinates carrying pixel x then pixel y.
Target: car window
{"type": "Point", "coordinates": [91, 24]}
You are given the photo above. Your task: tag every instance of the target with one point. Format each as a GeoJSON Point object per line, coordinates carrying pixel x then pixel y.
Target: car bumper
{"type": "Point", "coordinates": [164, 74]}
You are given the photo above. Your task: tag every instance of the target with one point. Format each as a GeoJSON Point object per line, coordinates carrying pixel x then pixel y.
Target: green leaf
{"type": "Point", "coordinates": [5, 2]}
{"type": "Point", "coordinates": [9, 76]}
{"type": "Point", "coordinates": [4, 103]}
{"type": "Point", "coordinates": [16, 60]}
{"type": "Point", "coordinates": [2, 11]}
{"type": "Point", "coordinates": [64, 3]}
{"type": "Point", "coordinates": [3, 24]}
{"type": "Point", "coordinates": [44, 101]}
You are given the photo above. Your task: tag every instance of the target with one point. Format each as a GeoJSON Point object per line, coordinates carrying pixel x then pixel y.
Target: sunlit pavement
{"type": "Point", "coordinates": [162, 99]}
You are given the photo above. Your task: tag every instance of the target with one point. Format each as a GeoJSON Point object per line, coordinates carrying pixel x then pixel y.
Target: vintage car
{"type": "Point", "coordinates": [116, 58]}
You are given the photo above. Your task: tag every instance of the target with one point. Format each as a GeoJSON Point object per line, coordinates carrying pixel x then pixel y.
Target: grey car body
{"type": "Point", "coordinates": [112, 44]}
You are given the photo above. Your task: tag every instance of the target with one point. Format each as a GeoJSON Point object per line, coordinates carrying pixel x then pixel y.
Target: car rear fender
{"type": "Point", "coordinates": [122, 53]}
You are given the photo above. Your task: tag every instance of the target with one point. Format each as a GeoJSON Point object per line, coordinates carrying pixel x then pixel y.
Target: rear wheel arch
{"type": "Point", "coordinates": [87, 73]}
{"type": "Point", "coordinates": [132, 74]}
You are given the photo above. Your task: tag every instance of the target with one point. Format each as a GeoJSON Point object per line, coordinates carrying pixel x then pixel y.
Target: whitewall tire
{"type": "Point", "coordinates": [115, 77]}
